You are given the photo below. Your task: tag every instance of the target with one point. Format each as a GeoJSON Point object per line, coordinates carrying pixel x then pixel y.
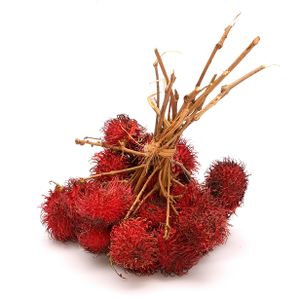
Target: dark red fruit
{"type": "Point", "coordinates": [55, 217]}
{"type": "Point", "coordinates": [209, 225]}
{"type": "Point", "coordinates": [188, 195]}
{"type": "Point", "coordinates": [185, 159]}
{"type": "Point", "coordinates": [180, 251]}
{"type": "Point", "coordinates": [227, 182]}
{"type": "Point", "coordinates": [134, 246]}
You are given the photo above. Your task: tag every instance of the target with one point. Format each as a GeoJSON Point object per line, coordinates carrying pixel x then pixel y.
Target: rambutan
{"type": "Point", "coordinates": [209, 226]}
{"type": "Point", "coordinates": [153, 210]}
{"type": "Point", "coordinates": [134, 247]}
{"type": "Point", "coordinates": [185, 159]}
{"type": "Point", "coordinates": [196, 231]}
{"type": "Point", "coordinates": [107, 161]}
{"type": "Point", "coordinates": [55, 217]}
{"type": "Point", "coordinates": [71, 191]}
{"type": "Point", "coordinates": [180, 251]}
{"type": "Point", "coordinates": [227, 182]}
{"type": "Point", "coordinates": [105, 202]}
{"type": "Point", "coordinates": [188, 195]}
{"type": "Point", "coordinates": [148, 211]}
{"type": "Point", "coordinates": [93, 238]}
{"type": "Point", "coordinates": [122, 129]}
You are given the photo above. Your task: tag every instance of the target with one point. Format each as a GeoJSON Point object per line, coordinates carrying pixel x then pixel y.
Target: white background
{"type": "Point", "coordinates": [67, 66]}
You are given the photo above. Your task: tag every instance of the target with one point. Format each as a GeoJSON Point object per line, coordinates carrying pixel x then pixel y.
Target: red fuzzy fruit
{"type": "Point", "coordinates": [93, 238]}
{"type": "Point", "coordinates": [188, 195]}
{"type": "Point", "coordinates": [180, 251]}
{"type": "Point", "coordinates": [55, 217]}
{"type": "Point", "coordinates": [209, 225]}
{"type": "Point", "coordinates": [153, 210]}
{"type": "Point", "coordinates": [122, 129]}
{"type": "Point", "coordinates": [227, 182]}
{"type": "Point", "coordinates": [184, 158]}
{"type": "Point", "coordinates": [106, 202]}
{"type": "Point", "coordinates": [107, 161]}
{"type": "Point", "coordinates": [71, 191]}
{"type": "Point", "coordinates": [134, 247]}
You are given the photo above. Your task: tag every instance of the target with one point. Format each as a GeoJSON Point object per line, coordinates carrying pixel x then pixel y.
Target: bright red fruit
{"type": "Point", "coordinates": [134, 247]}
{"type": "Point", "coordinates": [93, 238]}
{"type": "Point", "coordinates": [105, 202]}
{"type": "Point", "coordinates": [154, 210]}
{"type": "Point", "coordinates": [108, 160]}
{"type": "Point", "coordinates": [55, 217]}
{"type": "Point", "coordinates": [180, 251]}
{"type": "Point", "coordinates": [185, 158]}
{"type": "Point", "coordinates": [122, 129]}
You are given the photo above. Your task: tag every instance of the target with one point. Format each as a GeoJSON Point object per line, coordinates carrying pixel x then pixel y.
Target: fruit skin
{"type": "Point", "coordinates": [107, 161]}
{"type": "Point", "coordinates": [134, 246]}
{"type": "Point", "coordinates": [186, 156]}
{"type": "Point", "coordinates": [154, 210]}
{"type": "Point", "coordinates": [188, 195]}
{"type": "Point", "coordinates": [122, 129]}
{"type": "Point", "coordinates": [227, 182]}
{"type": "Point", "coordinates": [92, 237]}
{"type": "Point", "coordinates": [196, 231]}
{"type": "Point", "coordinates": [55, 217]}
{"type": "Point", "coordinates": [105, 203]}
{"type": "Point", "coordinates": [180, 251]}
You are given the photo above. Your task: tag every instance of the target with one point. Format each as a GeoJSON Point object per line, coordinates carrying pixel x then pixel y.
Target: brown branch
{"type": "Point", "coordinates": [165, 74]}
{"type": "Point", "coordinates": [114, 172]}
{"type": "Point", "coordinates": [105, 145]}
{"type": "Point", "coordinates": [167, 225]}
{"type": "Point", "coordinates": [226, 89]}
{"type": "Point", "coordinates": [166, 100]}
{"type": "Point", "coordinates": [157, 110]}
{"type": "Point", "coordinates": [201, 99]}
{"type": "Point", "coordinates": [217, 47]}
{"type": "Point", "coordinates": [162, 66]}
{"type": "Point", "coordinates": [177, 181]}
{"type": "Point", "coordinates": [157, 95]}
{"type": "Point", "coordinates": [155, 188]}
{"type": "Point", "coordinates": [174, 209]}
{"type": "Point", "coordinates": [137, 199]}
{"type": "Point", "coordinates": [174, 108]}
{"type": "Point", "coordinates": [197, 105]}
{"type": "Point", "coordinates": [161, 176]}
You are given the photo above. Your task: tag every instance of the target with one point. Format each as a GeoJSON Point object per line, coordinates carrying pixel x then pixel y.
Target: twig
{"type": "Point", "coordinates": [217, 47]}
{"type": "Point", "coordinates": [200, 100]}
{"type": "Point", "coordinates": [157, 95]}
{"type": "Point", "coordinates": [166, 100]}
{"type": "Point", "coordinates": [105, 145]}
{"type": "Point", "coordinates": [155, 188]}
{"type": "Point", "coordinates": [167, 225]}
{"type": "Point", "coordinates": [226, 89]}
{"type": "Point", "coordinates": [157, 110]}
{"type": "Point", "coordinates": [114, 172]}
{"type": "Point", "coordinates": [177, 181]}
{"type": "Point", "coordinates": [137, 199]}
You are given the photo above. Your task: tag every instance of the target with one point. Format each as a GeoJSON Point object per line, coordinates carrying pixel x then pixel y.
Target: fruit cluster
{"type": "Point", "coordinates": [94, 211]}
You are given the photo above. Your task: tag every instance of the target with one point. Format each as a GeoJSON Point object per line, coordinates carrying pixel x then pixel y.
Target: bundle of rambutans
{"type": "Point", "coordinates": [142, 204]}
